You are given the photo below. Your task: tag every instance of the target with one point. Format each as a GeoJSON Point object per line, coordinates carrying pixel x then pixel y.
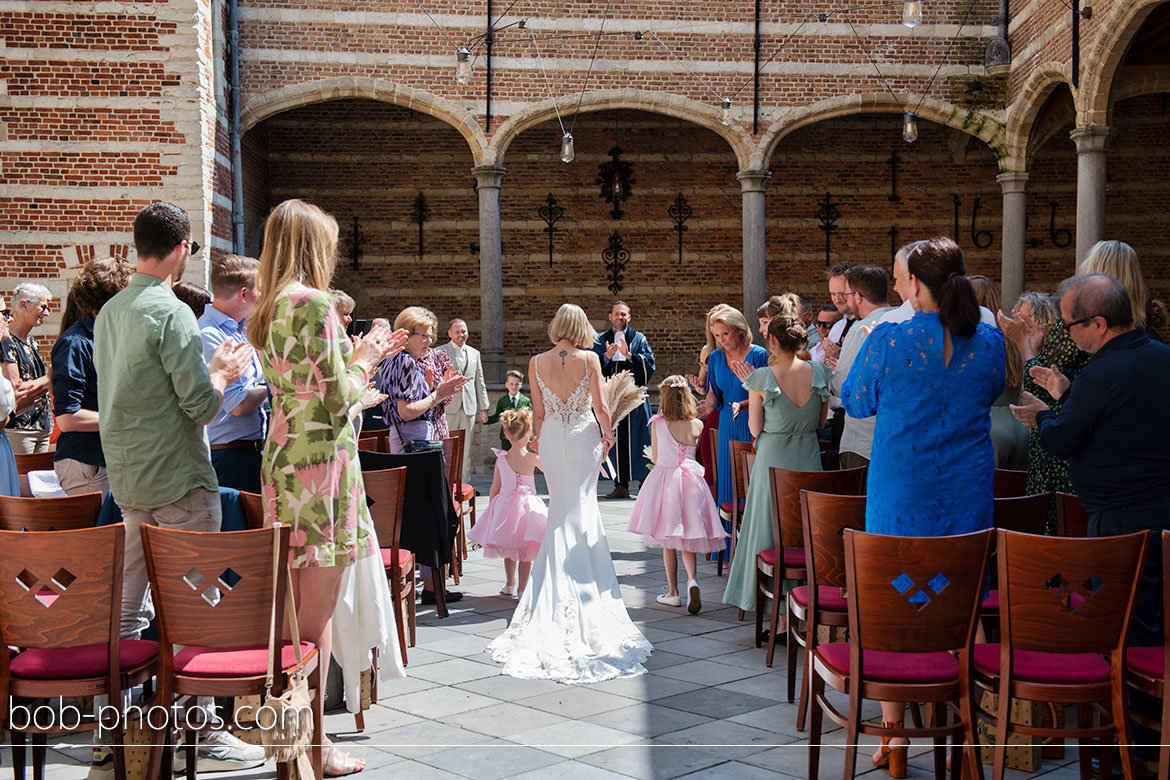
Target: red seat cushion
{"type": "Point", "coordinates": [991, 603]}
{"type": "Point", "coordinates": [403, 556]}
{"type": "Point", "coordinates": [828, 598]}
{"type": "Point", "coordinates": [234, 661]}
{"type": "Point", "coordinates": [69, 663]}
{"type": "Point", "coordinates": [1038, 667]}
{"type": "Point", "coordinates": [883, 666]}
{"type": "Point", "coordinates": [1150, 661]}
{"type": "Point", "coordinates": [793, 557]}
{"type": "Point", "coordinates": [725, 507]}
{"type": "Point", "coordinates": [467, 491]}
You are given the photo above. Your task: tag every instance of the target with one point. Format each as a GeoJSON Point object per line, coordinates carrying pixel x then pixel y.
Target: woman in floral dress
{"type": "Point", "coordinates": [311, 478]}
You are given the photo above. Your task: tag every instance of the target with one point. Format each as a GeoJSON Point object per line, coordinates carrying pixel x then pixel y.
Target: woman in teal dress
{"type": "Point", "coordinates": [787, 402]}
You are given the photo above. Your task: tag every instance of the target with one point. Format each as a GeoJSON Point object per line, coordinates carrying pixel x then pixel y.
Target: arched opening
{"type": "Point", "coordinates": [668, 157]}
{"type": "Point", "coordinates": [885, 192]}
{"type": "Point", "coordinates": [370, 160]}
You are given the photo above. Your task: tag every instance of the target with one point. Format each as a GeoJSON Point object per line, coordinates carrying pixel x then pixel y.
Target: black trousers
{"type": "Point", "coordinates": [239, 469]}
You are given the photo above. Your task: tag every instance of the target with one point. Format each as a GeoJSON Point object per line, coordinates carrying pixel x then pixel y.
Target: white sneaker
{"type": "Point", "coordinates": [101, 765]}
{"type": "Point", "coordinates": [693, 602]}
{"type": "Point", "coordinates": [220, 751]}
{"type": "Point", "coordinates": [669, 601]}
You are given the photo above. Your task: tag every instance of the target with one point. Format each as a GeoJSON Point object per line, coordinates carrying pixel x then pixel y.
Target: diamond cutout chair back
{"type": "Point", "coordinates": [1007, 483]}
{"type": "Point", "coordinates": [64, 513]}
{"type": "Point", "coordinates": [1071, 517]}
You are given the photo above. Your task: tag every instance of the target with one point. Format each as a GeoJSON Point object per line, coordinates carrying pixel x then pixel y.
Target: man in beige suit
{"type": "Point", "coordinates": [471, 403]}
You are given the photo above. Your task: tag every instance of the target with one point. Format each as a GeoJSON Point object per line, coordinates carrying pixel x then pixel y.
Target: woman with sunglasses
{"type": "Point", "coordinates": [30, 429]}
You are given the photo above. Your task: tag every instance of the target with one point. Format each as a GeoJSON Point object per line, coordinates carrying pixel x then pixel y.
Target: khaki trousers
{"type": "Point", "coordinates": [77, 477]}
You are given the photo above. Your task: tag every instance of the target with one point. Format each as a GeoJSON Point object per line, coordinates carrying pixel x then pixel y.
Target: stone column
{"type": "Point", "coordinates": [755, 255]}
{"type": "Point", "coordinates": [1090, 143]}
{"type": "Point", "coordinates": [1015, 216]}
{"type": "Point", "coordinates": [491, 273]}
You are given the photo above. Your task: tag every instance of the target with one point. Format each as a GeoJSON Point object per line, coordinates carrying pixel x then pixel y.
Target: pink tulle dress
{"type": "Point", "coordinates": [674, 507]}
{"type": "Point", "coordinates": [513, 524]}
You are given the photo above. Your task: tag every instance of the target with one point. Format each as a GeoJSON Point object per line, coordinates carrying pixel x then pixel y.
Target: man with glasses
{"type": "Point", "coordinates": [1112, 426]}
{"type": "Point", "coordinates": [30, 430]}
{"type": "Point", "coordinates": [827, 317]}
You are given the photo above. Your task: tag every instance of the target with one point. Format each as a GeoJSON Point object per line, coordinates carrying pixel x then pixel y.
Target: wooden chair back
{"type": "Point", "coordinates": [34, 461]}
{"type": "Point", "coordinates": [786, 487]}
{"type": "Point", "coordinates": [824, 518]}
{"type": "Point", "coordinates": [1023, 514]}
{"type": "Point", "coordinates": [713, 437]}
{"type": "Point", "coordinates": [914, 594]}
{"type": "Point", "coordinates": [253, 506]}
{"type": "Point", "coordinates": [374, 441]}
{"type": "Point", "coordinates": [1067, 595]}
{"type": "Point", "coordinates": [1072, 519]}
{"type": "Point", "coordinates": [453, 458]}
{"type": "Point", "coordinates": [739, 473]}
{"type": "Point", "coordinates": [386, 490]}
{"type": "Point", "coordinates": [215, 589]}
{"type": "Point", "coordinates": [461, 435]}
{"type": "Point", "coordinates": [62, 513]}
{"type": "Point", "coordinates": [61, 588]}
{"type": "Point", "coordinates": [1007, 483]}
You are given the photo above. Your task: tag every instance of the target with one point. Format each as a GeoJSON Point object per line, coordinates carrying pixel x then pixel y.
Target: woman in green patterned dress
{"type": "Point", "coordinates": [311, 478]}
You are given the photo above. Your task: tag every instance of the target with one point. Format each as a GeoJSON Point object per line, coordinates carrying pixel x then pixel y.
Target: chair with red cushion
{"type": "Point", "coordinates": [822, 601]}
{"type": "Point", "coordinates": [1072, 519]}
{"type": "Point", "coordinates": [60, 513]}
{"type": "Point", "coordinates": [1007, 483]}
{"type": "Point", "coordinates": [1065, 607]}
{"type": "Point", "coordinates": [731, 512]}
{"type": "Point", "coordinates": [913, 605]}
{"type": "Point", "coordinates": [61, 603]}
{"type": "Point", "coordinates": [453, 459]}
{"type": "Point", "coordinates": [1146, 671]}
{"type": "Point", "coordinates": [1022, 514]}
{"type": "Point", "coordinates": [786, 561]}
{"type": "Point", "coordinates": [386, 490]}
{"type": "Point", "coordinates": [464, 493]}
{"type": "Point", "coordinates": [374, 441]}
{"type": "Point", "coordinates": [215, 595]}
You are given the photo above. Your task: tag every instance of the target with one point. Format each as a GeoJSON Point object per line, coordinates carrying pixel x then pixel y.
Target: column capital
{"type": "Point", "coordinates": [753, 180]}
{"type": "Point", "coordinates": [490, 176]}
{"type": "Point", "coordinates": [1013, 181]}
{"type": "Point", "coordinates": [1090, 138]}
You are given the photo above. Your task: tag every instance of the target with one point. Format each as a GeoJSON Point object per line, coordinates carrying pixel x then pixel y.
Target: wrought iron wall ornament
{"type": "Point", "coordinates": [981, 238]}
{"type": "Point", "coordinates": [550, 212]}
{"type": "Point", "coordinates": [1060, 238]}
{"type": "Point", "coordinates": [616, 179]}
{"type": "Point", "coordinates": [679, 212]}
{"type": "Point", "coordinates": [420, 214]}
{"type": "Point", "coordinates": [958, 202]}
{"type": "Point", "coordinates": [356, 239]}
{"type": "Point", "coordinates": [893, 234]}
{"type": "Point", "coordinates": [893, 163]}
{"type": "Point", "coordinates": [1034, 243]}
{"type": "Point", "coordinates": [615, 256]}
{"type": "Point", "coordinates": [827, 215]}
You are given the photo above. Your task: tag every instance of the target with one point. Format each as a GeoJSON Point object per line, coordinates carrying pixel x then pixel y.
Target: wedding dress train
{"type": "Point", "coordinates": [571, 624]}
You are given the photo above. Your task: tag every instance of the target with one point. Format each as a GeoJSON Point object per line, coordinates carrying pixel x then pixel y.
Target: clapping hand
{"type": "Point", "coordinates": [741, 369]}
{"type": "Point", "coordinates": [1051, 380]}
{"type": "Point", "coordinates": [230, 359]}
{"type": "Point", "coordinates": [371, 397]}
{"type": "Point", "coordinates": [377, 345]}
{"type": "Point", "coordinates": [610, 350]}
{"type": "Point", "coordinates": [695, 383]}
{"type": "Point", "coordinates": [452, 383]}
{"type": "Point", "coordinates": [832, 350]}
{"type": "Point", "coordinates": [1029, 407]}
{"type": "Point", "coordinates": [1022, 330]}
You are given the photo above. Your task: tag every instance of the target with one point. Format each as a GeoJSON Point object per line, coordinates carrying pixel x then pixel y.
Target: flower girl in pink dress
{"type": "Point", "coordinates": [675, 510]}
{"type": "Point", "coordinates": [513, 525]}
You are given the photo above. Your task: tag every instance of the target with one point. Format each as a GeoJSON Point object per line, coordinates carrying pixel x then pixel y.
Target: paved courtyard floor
{"type": "Point", "coordinates": [707, 708]}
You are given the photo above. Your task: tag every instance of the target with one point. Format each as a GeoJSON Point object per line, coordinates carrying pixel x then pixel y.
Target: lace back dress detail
{"type": "Point", "coordinates": [570, 410]}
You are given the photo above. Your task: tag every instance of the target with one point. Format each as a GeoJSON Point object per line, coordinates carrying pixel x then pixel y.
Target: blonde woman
{"type": "Point", "coordinates": [710, 418]}
{"type": "Point", "coordinates": [571, 624]}
{"type": "Point", "coordinates": [311, 477]}
{"type": "Point", "coordinates": [1119, 260]}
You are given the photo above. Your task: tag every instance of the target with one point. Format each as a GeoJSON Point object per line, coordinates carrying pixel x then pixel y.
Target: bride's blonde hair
{"type": "Point", "coordinates": [571, 323]}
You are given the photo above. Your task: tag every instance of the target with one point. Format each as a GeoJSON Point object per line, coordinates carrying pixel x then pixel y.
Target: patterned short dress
{"type": "Point", "coordinates": [310, 477]}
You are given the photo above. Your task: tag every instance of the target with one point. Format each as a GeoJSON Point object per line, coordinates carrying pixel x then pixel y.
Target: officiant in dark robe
{"type": "Point", "coordinates": [621, 348]}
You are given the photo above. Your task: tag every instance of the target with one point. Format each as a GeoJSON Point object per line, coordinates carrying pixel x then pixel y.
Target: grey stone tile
{"type": "Point", "coordinates": [570, 770]}
{"type": "Point", "coordinates": [779, 718]}
{"type": "Point", "coordinates": [504, 720]}
{"type": "Point", "coordinates": [659, 636]}
{"type": "Point", "coordinates": [469, 646]}
{"type": "Point", "coordinates": [735, 770]}
{"type": "Point", "coordinates": [419, 771]}
{"type": "Point", "coordinates": [693, 625]}
{"type": "Point", "coordinates": [576, 702]}
{"type": "Point", "coordinates": [438, 702]}
{"type": "Point", "coordinates": [457, 670]}
{"type": "Point", "coordinates": [698, 647]}
{"type": "Point", "coordinates": [490, 761]}
{"type": "Point", "coordinates": [574, 738]}
{"type": "Point", "coordinates": [419, 656]}
{"type": "Point", "coordinates": [422, 739]}
{"type": "Point", "coordinates": [765, 683]}
{"type": "Point", "coordinates": [751, 658]}
{"type": "Point", "coordinates": [511, 688]}
{"type": "Point", "coordinates": [646, 687]}
{"type": "Point", "coordinates": [647, 720]}
{"type": "Point", "coordinates": [404, 685]}
{"type": "Point", "coordinates": [715, 703]}
{"type": "Point", "coordinates": [380, 718]}
{"type": "Point", "coordinates": [705, 672]}
{"type": "Point", "coordinates": [660, 659]}
{"type": "Point", "coordinates": [722, 738]}
{"type": "Point", "coordinates": [660, 762]}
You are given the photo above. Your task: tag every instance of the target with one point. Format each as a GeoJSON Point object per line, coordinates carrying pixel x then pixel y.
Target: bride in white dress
{"type": "Point", "coordinates": [571, 624]}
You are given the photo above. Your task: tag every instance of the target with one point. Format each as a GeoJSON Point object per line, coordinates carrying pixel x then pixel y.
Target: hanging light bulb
{"type": "Point", "coordinates": [463, 65]}
{"type": "Point", "coordinates": [912, 13]}
{"type": "Point", "coordinates": [567, 153]}
{"type": "Point", "coordinates": [910, 128]}
{"type": "Point", "coordinates": [725, 114]}
{"type": "Point", "coordinates": [617, 188]}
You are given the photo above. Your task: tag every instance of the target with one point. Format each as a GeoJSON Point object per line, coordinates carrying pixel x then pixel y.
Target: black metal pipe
{"type": "Point", "coordinates": [234, 128]}
{"type": "Point", "coordinates": [487, 122]}
{"type": "Point", "coordinates": [1076, 43]}
{"type": "Point", "coordinates": [756, 78]}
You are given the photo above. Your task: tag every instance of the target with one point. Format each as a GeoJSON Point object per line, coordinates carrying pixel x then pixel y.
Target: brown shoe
{"type": "Point", "coordinates": [618, 492]}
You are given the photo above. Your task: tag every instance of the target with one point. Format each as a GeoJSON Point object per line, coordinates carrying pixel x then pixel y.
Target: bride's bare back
{"type": "Point", "coordinates": [561, 370]}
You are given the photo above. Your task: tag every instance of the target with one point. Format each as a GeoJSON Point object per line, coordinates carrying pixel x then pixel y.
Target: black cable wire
{"type": "Point", "coordinates": [774, 54]}
{"type": "Point", "coordinates": [861, 43]}
{"type": "Point", "coordinates": [946, 54]}
{"type": "Point", "coordinates": [593, 59]}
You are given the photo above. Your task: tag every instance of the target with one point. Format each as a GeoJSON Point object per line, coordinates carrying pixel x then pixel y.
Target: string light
{"type": "Point", "coordinates": [910, 128]}
{"type": "Point", "coordinates": [912, 13]}
{"type": "Point", "coordinates": [463, 65]}
{"type": "Point", "coordinates": [725, 113]}
{"type": "Point", "coordinates": [567, 152]}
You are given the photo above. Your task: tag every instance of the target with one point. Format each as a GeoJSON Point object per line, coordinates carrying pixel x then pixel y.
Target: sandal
{"type": "Point", "coordinates": [338, 763]}
{"type": "Point", "coordinates": [893, 758]}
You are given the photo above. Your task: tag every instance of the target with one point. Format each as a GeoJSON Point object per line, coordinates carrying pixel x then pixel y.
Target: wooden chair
{"type": "Point", "coordinates": [453, 458]}
{"type": "Point", "coordinates": [822, 602]}
{"type": "Point", "coordinates": [66, 513]}
{"type": "Point", "coordinates": [913, 605]}
{"type": "Point", "coordinates": [34, 461]}
{"type": "Point", "coordinates": [374, 441]}
{"type": "Point", "coordinates": [1022, 514]}
{"type": "Point", "coordinates": [464, 494]}
{"type": "Point", "coordinates": [253, 505]}
{"type": "Point", "coordinates": [1007, 483]}
{"type": "Point", "coordinates": [61, 601]}
{"type": "Point", "coordinates": [732, 513]}
{"type": "Point", "coordinates": [1072, 519]}
{"type": "Point", "coordinates": [1064, 603]}
{"type": "Point", "coordinates": [785, 561]}
{"type": "Point", "coordinates": [1146, 671]}
{"type": "Point", "coordinates": [216, 594]}
{"type": "Point", "coordinates": [386, 489]}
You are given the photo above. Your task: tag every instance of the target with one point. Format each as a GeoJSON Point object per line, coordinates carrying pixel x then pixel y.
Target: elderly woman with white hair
{"type": "Point", "coordinates": [21, 363]}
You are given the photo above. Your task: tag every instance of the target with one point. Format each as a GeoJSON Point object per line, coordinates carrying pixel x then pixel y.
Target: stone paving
{"type": "Point", "coordinates": [707, 708]}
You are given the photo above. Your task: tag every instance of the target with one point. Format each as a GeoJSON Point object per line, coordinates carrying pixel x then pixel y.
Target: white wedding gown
{"type": "Point", "coordinates": [571, 624]}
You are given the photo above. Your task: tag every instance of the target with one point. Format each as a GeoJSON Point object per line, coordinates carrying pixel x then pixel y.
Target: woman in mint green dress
{"type": "Point", "coordinates": [788, 401]}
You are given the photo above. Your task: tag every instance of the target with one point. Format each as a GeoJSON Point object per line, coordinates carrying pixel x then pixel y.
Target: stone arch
{"type": "Point", "coordinates": [261, 106]}
{"type": "Point", "coordinates": [1026, 108]}
{"type": "Point", "coordinates": [974, 123]}
{"type": "Point", "coordinates": [1117, 30]}
{"type": "Point", "coordinates": [701, 114]}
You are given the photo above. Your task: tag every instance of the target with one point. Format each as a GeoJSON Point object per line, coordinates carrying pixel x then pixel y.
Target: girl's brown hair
{"type": "Point", "coordinates": [516, 422]}
{"type": "Point", "coordinates": [675, 401]}
{"type": "Point", "coordinates": [789, 333]}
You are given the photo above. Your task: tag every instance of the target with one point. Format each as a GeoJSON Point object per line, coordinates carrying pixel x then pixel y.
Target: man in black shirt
{"type": "Point", "coordinates": [1113, 427]}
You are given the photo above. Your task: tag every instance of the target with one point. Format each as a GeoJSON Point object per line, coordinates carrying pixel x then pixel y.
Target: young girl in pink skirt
{"type": "Point", "coordinates": [675, 510]}
{"type": "Point", "coordinates": [513, 525]}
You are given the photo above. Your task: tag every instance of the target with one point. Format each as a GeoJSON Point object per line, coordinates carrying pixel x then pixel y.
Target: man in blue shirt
{"type": "Point", "coordinates": [237, 432]}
